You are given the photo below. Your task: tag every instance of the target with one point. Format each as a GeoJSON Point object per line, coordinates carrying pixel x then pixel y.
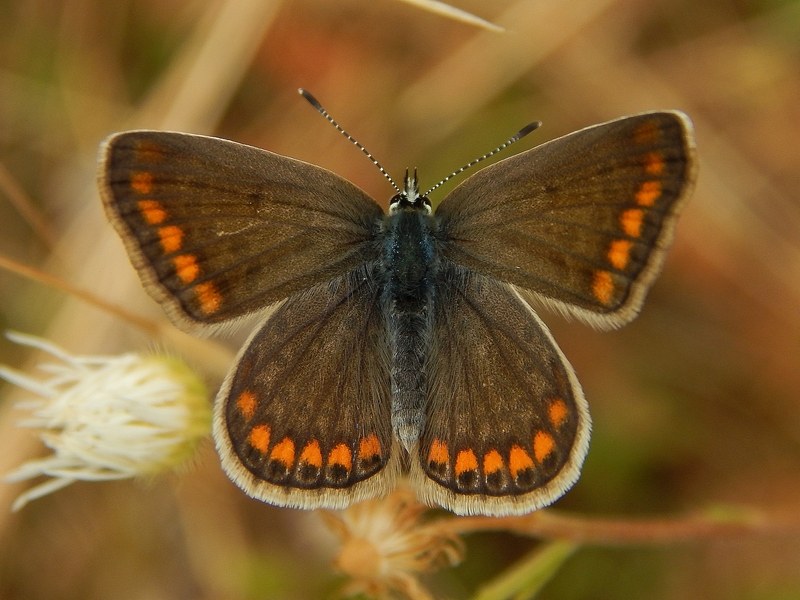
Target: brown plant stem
{"type": "Point", "coordinates": [54, 282]}
{"type": "Point", "coordinates": [712, 524]}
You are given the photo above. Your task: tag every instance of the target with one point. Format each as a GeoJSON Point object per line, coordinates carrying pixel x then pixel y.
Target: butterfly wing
{"type": "Point", "coordinates": [303, 420]}
{"type": "Point", "coordinates": [218, 229]}
{"type": "Point", "coordinates": [506, 424]}
{"type": "Point", "coordinates": [583, 221]}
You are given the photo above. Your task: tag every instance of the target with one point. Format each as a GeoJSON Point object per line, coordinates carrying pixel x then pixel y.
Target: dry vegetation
{"type": "Point", "coordinates": [696, 405]}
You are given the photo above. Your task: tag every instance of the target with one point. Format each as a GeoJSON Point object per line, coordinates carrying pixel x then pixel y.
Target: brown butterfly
{"type": "Point", "coordinates": [403, 343]}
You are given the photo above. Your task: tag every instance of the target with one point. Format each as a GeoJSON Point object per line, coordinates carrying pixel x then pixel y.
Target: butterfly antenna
{"type": "Point", "coordinates": [315, 103]}
{"type": "Point", "coordinates": [514, 138]}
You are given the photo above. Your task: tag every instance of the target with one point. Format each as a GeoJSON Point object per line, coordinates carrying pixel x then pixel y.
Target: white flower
{"type": "Point", "coordinates": [387, 544]}
{"type": "Point", "coordinates": [108, 417]}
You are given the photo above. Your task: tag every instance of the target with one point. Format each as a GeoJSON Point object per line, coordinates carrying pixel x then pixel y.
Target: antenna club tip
{"type": "Point", "coordinates": [311, 100]}
{"type": "Point", "coordinates": [528, 128]}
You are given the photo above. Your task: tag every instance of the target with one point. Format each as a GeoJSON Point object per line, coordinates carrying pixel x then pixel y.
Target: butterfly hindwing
{"type": "Point", "coordinates": [217, 229]}
{"type": "Point", "coordinates": [583, 221]}
{"type": "Point", "coordinates": [303, 419]}
{"type": "Point", "coordinates": [506, 424]}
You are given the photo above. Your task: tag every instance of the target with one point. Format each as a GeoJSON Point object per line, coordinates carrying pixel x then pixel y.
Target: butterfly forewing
{"type": "Point", "coordinates": [506, 424]}
{"type": "Point", "coordinates": [583, 220]}
{"type": "Point", "coordinates": [303, 420]}
{"type": "Point", "coordinates": [218, 229]}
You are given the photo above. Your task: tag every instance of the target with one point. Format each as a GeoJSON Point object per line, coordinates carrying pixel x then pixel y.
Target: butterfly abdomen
{"type": "Point", "coordinates": [410, 266]}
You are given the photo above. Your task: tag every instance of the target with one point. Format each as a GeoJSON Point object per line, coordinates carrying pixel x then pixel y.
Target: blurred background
{"type": "Point", "coordinates": [696, 404]}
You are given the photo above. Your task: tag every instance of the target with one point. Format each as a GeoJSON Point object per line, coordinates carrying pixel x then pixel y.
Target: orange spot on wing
{"type": "Point", "coordinates": [152, 211]}
{"type": "Point", "coordinates": [439, 453]}
{"type": "Point", "coordinates": [259, 438]}
{"type": "Point", "coordinates": [543, 445]}
{"type": "Point", "coordinates": [311, 454]}
{"type": "Point", "coordinates": [209, 297]}
{"type": "Point", "coordinates": [557, 412]}
{"type": "Point", "coordinates": [341, 455]}
{"type": "Point", "coordinates": [466, 461]}
{"type": "Point", "coordinates": [246, 404]}
{"type": "Point", "coordinates": [654, 163]}
{"type": "Point", "coordinates": [148, 151]}
{"type": "Point", "coordinates": [283, 452]}
{"type": "Point", "coordinates": [492, 462]}
{"type": "Point", "coordinates": [603, 287]}
{"type": "Point", "coordinates": [142, 182]}
{"type": "Point", "coordinates": [171, 238]}
{"type": "Point", "coordinates": [518, 461]}
{"type": "Point", "coordinates": [619, 253]}
{"type": "Point", "coordinates": [631, 221]}
{"type": "Point", "coordinates": [369, 447]}
{"type": "Point", "coordinates": [648, 193]}
{"type": "Point", "coordinates": [186, 267]}
{"type": "Point", "coordinates": [648, 133]}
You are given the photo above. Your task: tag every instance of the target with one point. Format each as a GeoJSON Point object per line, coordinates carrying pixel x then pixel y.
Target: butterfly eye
{"type": "Point", "coordinates": [401, 201]}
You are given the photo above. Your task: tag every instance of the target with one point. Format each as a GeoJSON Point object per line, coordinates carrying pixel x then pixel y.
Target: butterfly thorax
{"type": "Point", "coordinates": [410, 266]}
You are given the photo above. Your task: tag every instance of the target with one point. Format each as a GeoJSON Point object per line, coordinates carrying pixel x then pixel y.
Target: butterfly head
{"type": "Point", "coordinates": [410, 198]}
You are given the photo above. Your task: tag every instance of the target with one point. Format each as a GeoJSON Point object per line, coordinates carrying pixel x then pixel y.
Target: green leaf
{"type": "Point", "coordinates": [524, 580]}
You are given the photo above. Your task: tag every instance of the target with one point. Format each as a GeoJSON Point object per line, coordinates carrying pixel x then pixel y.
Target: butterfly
{"type": "Point", "coordinates": [401, 343]}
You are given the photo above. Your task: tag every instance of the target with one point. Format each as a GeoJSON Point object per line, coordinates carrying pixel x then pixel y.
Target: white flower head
{"type": "Point", "coordinates": [386, 544]}
{"type": "Point", "coordinates": [108, 417]}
